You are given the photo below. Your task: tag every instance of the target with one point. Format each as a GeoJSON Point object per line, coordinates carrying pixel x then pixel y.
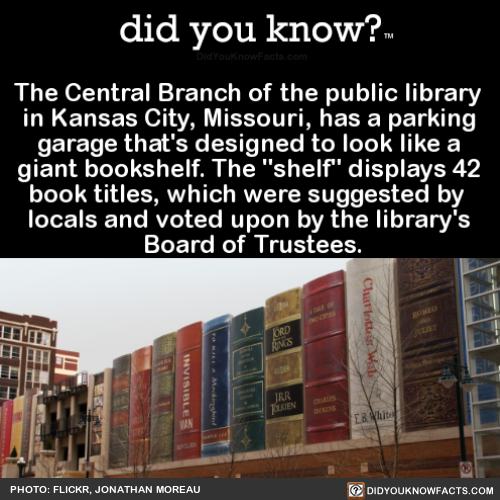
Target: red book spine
{"type": "Point", "coordinates": [187, 426]}
{"type": "Point", "coordinates": [140, 406]}
{"type": "Point", "coordinates": [325, 351]}
{"type": "Point", "coordinates": [5, 430]}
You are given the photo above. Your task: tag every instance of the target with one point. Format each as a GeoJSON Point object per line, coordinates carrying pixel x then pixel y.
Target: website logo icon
{"type": "Point", "coordinates": [355, 491]}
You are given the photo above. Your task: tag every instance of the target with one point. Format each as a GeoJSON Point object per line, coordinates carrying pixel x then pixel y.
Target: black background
{"type": "Point", "coordinates": [52, 47]}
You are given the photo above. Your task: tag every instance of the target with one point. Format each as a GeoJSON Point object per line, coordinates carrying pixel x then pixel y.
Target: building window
{"type": "Point", "coordinates": [36, 337]}
{"type": "Point", "coordinates": [58, 360]}
{"type": "Point", "coordinates": [37, 376]}
{"type": "Point", "coordinates": [9, 333]}
{"type": "Point", "coordinates": [38, 356]}
{"type": "Point", "coordinates": [8, 392]}
{"type": "Point", "coordinates": [33, 376]}
{"type": "Point", "coordinates": [10, 372]}
{"type": "Point", "coordinates": [46, 339]}
{"type": "Point", "coordinates": [6, 351]}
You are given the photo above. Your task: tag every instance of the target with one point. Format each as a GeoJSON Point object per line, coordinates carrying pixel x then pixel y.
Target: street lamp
{"type": "Point", "coordinates": [21, 463]}
{"type": "Point", "coordinates": [90, 419]}
{"type": "Point", "coordinates": [467, 384]}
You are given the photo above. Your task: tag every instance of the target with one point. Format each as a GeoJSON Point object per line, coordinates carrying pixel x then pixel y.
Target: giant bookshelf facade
{"type": "Point", "coordinates": [290, 374]}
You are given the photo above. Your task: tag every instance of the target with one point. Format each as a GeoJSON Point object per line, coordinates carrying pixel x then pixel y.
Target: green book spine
{"type": "Point", "coordinates": [284, 370]}
{"type": "Point", "coordinates": [120, 400]}
{"type": "Point", "coordinates": [248, 391]}
{"type": "Point", "coordinates": [162, 399]}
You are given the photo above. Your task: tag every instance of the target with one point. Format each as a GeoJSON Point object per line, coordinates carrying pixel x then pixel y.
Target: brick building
{"type": "Point", "coordinates": [27, 353]}
{"type": "Point", "coordinates": [67, 363]}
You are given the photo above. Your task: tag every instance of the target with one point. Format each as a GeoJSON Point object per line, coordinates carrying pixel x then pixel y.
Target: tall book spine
{"type": "Point", "coordinates": [120, 400]}
{"type": "Point", "coordinates": [17, 424]}
{"type": "Point", "coordinates": [325, 354]}
{"type": "Point", "coordinates": [5, 430]}
{"type": "Point", "coordinates": [284, 370]}
{"type": "Point", "coordinates": [98, 410]}
{"type": "Point", "coordinates": [162, 399]}
{"type": "Point", "coordinates": [248, 426]}
{"type": "Point", "coordinates": [373, 355]}
{"type": "Point", "coordinates": [429, 336]}
{"type": "Point", "coordinates": [39, 421]}
{"type": "Point", "coordinates": [27, 438]}
{"type": "Point", "coordinates": [187, 408]}
{"type": "Point", "coordinates": [216, 388]}
{"type": "Point", "coordinates": [1, 443]}
{"type": "Point", "coordinates": [140, 406]}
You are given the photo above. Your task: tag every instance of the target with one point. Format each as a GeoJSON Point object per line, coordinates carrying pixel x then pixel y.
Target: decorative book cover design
{"type": "Point", "coordinates": [247, 361]}
{"type": "Point", "coordinates": [284, 370]}
{"type": "Point", "coordinates": [428, 325]}
{"type": "Point", "coordinates": [120, 400]}
{"type": "Point", "coordinates": [140, 406]}
{"type": "Point", "coordinates": [187, 408]}
{"type": "Point", "coordinates": [216, 388]}
{"type": "Point", "coordinates": [325, 351]}
{"type": "Point", "coordinates": [162, 399]}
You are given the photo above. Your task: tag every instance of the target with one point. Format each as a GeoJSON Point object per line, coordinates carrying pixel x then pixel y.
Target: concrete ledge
{"type": "Point", "coordinates": [350, 444]}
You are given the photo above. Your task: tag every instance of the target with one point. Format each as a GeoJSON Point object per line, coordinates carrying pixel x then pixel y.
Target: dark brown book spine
{"type": "Point", "coordinates": [429, 336]}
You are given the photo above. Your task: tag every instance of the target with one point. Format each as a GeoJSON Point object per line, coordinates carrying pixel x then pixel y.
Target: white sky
{"type": "Point", "coordinates": [109, 307]}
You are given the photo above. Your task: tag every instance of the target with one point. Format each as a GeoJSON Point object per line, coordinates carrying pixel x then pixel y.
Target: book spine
{"type": "Point", "coordinates": [372, 338]}
{"type": "Point", "coordinates": [162, 399]}
{"type": "Point", "coordinates": [17, 424]}
{"type": "Point", "coordinates": [140, 406]}
{"type": "Point", "coordinates": [120, 401]}
{"type": "Point", "coordinates": [248, 426]}
{"type": "Point", "coordinates": [325, 353]}
{"type": "Point", "coordinates": [216, 388]}
{"type": "Point", "coordinates": [1, 443]}
{"type": "Point", "coordinates": [187, 408]}
{"type": "Point", "coordinates": [284, 370]}
{"type": "Point", "coordinates": [98, 411]}
{"type": "Point", "coordinates": [429, 336]}
{"type": "Point", "coordinates": [28, 412]}
{"type": "Point", "coordinates": [5, 430]}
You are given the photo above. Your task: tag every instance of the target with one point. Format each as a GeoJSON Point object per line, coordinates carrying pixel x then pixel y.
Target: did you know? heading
{"type": "Point", "coordinates": [143, 30]}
